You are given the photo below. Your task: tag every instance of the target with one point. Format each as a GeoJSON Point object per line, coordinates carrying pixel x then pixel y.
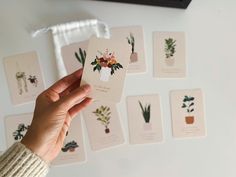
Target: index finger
{"type": "Point", "coordinates": [66, 82]}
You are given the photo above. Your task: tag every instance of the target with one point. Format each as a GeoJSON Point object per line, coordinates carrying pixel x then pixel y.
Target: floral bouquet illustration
{"type": "Point", "coordinates": [20, 132]}
{"type": "Point", "coordinates": [70, 146]}
{"type": "Point", "coordinates": [146, 113]}
{"type": "Point", "coordinates": [106, 64]}
{"type": "Point", "coordinates": [188, 104]}
{"type": "Point", "coordinates": [170, 45]}
{"type": "Point", "coordinates": [103, 115]}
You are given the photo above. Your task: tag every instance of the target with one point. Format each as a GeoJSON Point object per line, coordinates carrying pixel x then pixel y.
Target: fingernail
{"type": "Point", "coordinates": [87, 88]}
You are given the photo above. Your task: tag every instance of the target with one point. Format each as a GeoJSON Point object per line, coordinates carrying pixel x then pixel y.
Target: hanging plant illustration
{"type": "Point", "coordinates": [81, 56]}
{"type": "Point", "coordinates": [170, 49]}
{"type": "Point", "coordinates": [188, 105]}
{"type": "Point", "coordinates": [33, 80]}
{"type": "Point", "coordinates": [131, 42]}
{"type": "Point", "coordinates": [70, 146]}
{"type": "Point", "coordinates": [146, 113]}
{"type": "Point", "coordinates": [103, 115]}
{"type": "Point", "coordinates": [20, 132]}
{"type": "Point", "coordinates": [21, 82]}
{"type": "Point", "coordinates": [106, 64]}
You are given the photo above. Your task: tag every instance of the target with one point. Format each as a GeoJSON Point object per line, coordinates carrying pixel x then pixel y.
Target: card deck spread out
{"type": "Point", "coordinates": [24, 77]}
{"type": "Point", "coordinates": [73, 150]}
{"type": "Point", "coordinates": [187, 109]}
{"type": "Point", "coordinates": [145, 119]}
{"type": "Point", "coordinates": [103, 125]}
{"type": "Point", "coordinates": [169, 55]}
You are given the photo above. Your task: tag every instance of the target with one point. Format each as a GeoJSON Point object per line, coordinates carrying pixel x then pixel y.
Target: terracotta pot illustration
{"type": "Point", "coordinates": [189, 119]}
{"type": "Point", "coordinates": [133, 57]}
{"type": "Point", "coordinates": [107, 130]}
{"type": "Point", "coordinates": [105, 74]}
{"type": "Point", "coordinates": [170, 61]}
{"type": "Point", "coordinates": [147, 126]}
{"type": "Point", "coordinates": [72, 150]}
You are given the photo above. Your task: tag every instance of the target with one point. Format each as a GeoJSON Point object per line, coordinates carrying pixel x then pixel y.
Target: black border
{"type": "Point", "coordinates": [183, 4]}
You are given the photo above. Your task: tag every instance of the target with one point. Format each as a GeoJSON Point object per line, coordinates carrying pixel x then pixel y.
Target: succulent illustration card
{"type": "Point", "coordinates": [73, 150]}
{"type": "Point", "coordinates": [16, 127]}
{"type": "Point", "coordinates": [74, 55]}
{"type": "Point", "coordinates": [103, 125]}
{"type": "Point", "coordinates": [135, 40]}
{"type": "Point", "coordinates": [145, 119]}
{"type": "Point", "coordinates": [187, 108]}
{"type": "Point", "coordinates": [105, 68]}
{"type": "Point", "coordinates": [24, 77]}
{"type": "Point", "coordinates": [169, 55]}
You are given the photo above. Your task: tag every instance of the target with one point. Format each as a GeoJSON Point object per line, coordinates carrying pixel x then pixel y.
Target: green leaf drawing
{"type": "Point", "coordinates": [146, 110]}
{"type": "Point", "coordinates": [81, 56]}
{"type": "Point", "coordinates": [170, 45]}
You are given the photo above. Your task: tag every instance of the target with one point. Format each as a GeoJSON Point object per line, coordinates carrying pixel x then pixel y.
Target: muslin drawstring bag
{"type": "Point", "coordinates": [69, 33]}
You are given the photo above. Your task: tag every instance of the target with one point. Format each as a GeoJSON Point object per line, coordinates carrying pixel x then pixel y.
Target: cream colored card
{"type": "Point", "coordinates": [169, 55]}
{"type": "Point", "coordinates": [105, 68]}
{"type": "Point", "coordinates": [135, 40]}
{"type": "Point", "coordinates": [16, 127]}
{"type": "Point", "coordinates": [24, 77]}
{"type": "Point", "coordinates": [187, 109]}
{"type": "Point", "coordinates": [145, 119]}
{"type": "Point", "coordinates": [73, 150]}
{"type": "Point", "coordinates": [74, 55]}
{"type": "Point", "coordinates": [103, 125]}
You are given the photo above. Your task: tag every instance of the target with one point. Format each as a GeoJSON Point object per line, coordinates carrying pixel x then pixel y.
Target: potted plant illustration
{"type": "Point", "coordinates": [103, 115]}
{"type": "Point", "coordinates": [81, 56]}
{"type": "Point", "coordinates": [170, 45]}
{"type": "Point", "coordinates": [146, 113]}
{"type": "Point", "coordinates": [20, 132]}
{"type": "Point", "coordinates": [133, 55]}
{"type": "Point", "coordinates": [188, 104]}
{"type": "Point", "coordinates": [70, 146]}
{"type": "Point", "coordinates": [106, 64]}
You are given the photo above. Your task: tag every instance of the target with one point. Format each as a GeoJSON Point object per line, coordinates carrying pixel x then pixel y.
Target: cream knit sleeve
{"type": "Point", "coordinates": [18, 161]}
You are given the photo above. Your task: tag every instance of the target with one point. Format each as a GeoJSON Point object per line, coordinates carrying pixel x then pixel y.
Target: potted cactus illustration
{"type": "Point", "coordinates": [81, 56]}
{"type": "Point", "coordinates": [103, 115]}
{"type": "Point", "coordinates": [20, 132]}
{"type": "Point", "coordinates": [170, 45]}
{"type": "Point", "coordinates": [133, 55]}
{"type": "Point", "coordinates": [146, 113]}
{"type": "Point", "coordinates": [106, 64]}
{"type": "Point", "coordinates": [70, 146]}
{"type": "Point", "coordinates": [188, 105]}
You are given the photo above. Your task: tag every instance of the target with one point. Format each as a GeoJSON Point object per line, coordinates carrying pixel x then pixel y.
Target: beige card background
{"type": "Point", "coordinates": [139, 131]}
{"type": "Point", "coordinates": [28, 63]}
{"type": "Point", "coordinates": [68, 55]}
{"type": "Point", "coordinates": [140, 65]}
{"type": "Point", "coordinates": [96, 131]}
{"type": "Point", "coordinates": [179, 126]}
{"type": "Point", "coordinates": [111, 90]}
{"type": "Point", "coordinates": [11, 125]}
{"type": "Point", "coordinates": [75, 133]}
{"type": "Point", "coordinates": [161, 68]}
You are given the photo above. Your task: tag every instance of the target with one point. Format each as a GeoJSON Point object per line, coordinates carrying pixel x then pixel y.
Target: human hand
{"type": "Point", "coordinates": [55, 108]}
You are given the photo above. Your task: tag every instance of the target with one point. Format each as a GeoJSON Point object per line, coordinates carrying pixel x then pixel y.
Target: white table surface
{"type": "Point", "coordinates": [210, 26]}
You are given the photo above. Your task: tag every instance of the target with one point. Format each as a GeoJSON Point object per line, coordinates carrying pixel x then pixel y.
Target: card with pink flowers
{"type": "Point", "coordinates": [105, 67]}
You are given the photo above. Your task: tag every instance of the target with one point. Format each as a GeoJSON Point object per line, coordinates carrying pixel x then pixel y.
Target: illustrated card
{"type": "Point", "coordinates": [105, 68]}
{"type": "Point", "coordinates": [73, 150]}
{"type": "Point", "coordinates": [103, 125]}
{"type": "Point", "coordinates": [169, 55]}
{"type": "Point", "coordinates": [187, 109]}
{"type": "Point", "coordinates": [16, 127]}
{"type": "Point", "coordinates": [74, 55]}
{"type": "Point", "coordinates": [24, 77]}
{"type": "Point", "coordinates": [135, 40]}
{"type": "Point", "coordinates": [145, 119]}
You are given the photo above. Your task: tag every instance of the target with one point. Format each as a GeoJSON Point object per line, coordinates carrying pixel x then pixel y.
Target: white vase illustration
{"type": "Point", "coordinates": [105, 74]}
{"type": "Point", "coordinates": [170, 61]}
{"type": "Point", "coordinates": [147, 126]}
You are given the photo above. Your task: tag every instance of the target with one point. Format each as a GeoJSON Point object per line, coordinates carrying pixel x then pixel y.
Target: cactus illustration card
{"type": "Point", "coordinates": [135, 40]}
{"type": "Point", "coordinates": [145, 119]}
{"type": "Point", "coordinates": [103, 125]}
{"type": "Point", "coordinates": [169, 55]}
{"type": "Point", "coordinates": [74, 55]}
{"type": "Point", "coordinates": [187, 109]}
{"type": "Point", "coordinates": [73, 150]}
{"type": "Point", "coordinates": [105, 68]}
{"type": "Point", "coordinates": [24, 77]}
{"type": "Point", "coordinates": [16, 127]}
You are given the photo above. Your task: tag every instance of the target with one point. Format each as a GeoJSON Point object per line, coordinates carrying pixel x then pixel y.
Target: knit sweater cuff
{"type": "Point", "coordinates": [21, 162]}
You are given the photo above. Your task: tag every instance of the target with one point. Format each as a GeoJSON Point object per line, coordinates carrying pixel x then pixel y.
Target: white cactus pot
{"type": "Point", "coordinates": [105, 74]}
{"type": "Point", "coordinates": [147, 126]}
